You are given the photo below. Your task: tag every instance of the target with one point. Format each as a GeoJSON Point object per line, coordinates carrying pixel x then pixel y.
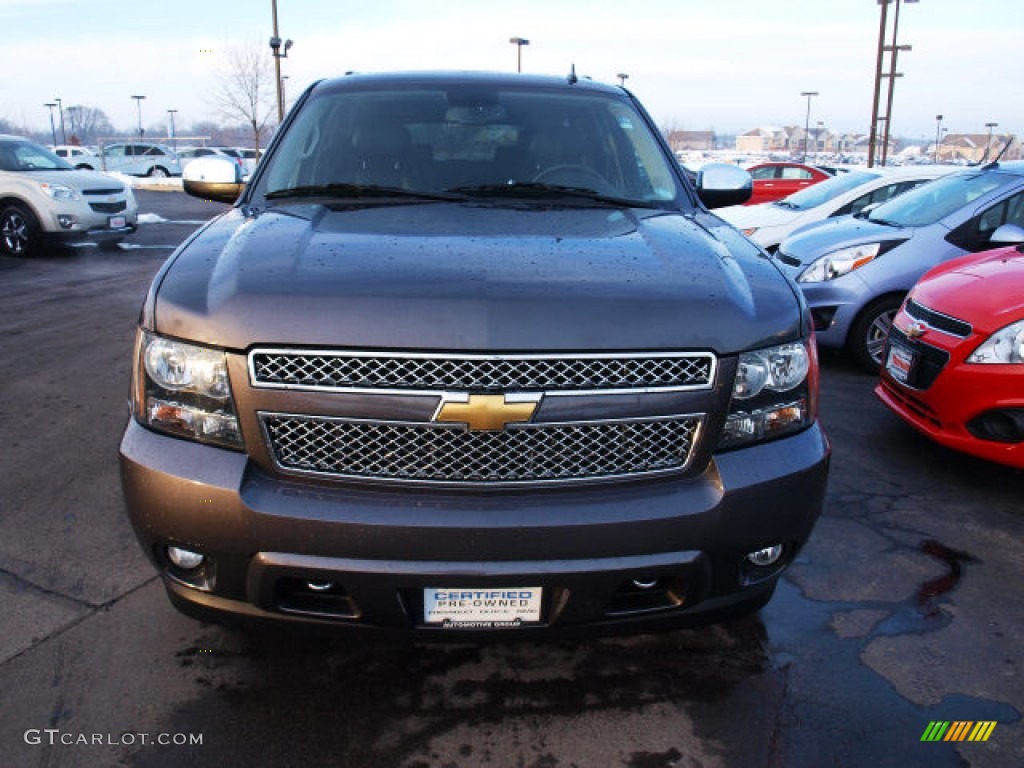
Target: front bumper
{"type": "Point", "coordinates": [956, 400]}
{"type": "Point", "coordinates": [75, 221]}
{"type": "Point", "coordinates": [266, 538]}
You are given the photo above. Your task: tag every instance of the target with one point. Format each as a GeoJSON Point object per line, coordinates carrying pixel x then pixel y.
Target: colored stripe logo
{"type": "Point", "coordinates": [958, 730]}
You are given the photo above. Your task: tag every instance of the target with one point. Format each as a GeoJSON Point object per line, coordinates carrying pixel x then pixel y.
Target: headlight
{"type": "Point", "coordinates": [778, 369]}
{"type": "Point", "coordinates": [774, 394]}
{"type": "Point", "coordinates": [59, 191]}
{"type": "Point", "coordinates": [1004, 346]}
{"type": "Point", "coordinates": [184, 390]}
{"type": "Point", "coordinates": [845, 260]}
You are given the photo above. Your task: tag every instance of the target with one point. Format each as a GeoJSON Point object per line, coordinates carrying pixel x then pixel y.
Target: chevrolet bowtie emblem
{"type": "Point", "coordinates": [487, 412]}
{"type": "Point", "coordinates": [916, 330]}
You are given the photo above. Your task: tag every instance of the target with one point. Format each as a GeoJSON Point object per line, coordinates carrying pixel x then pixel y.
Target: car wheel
{"type": "Point", "coordinates": [20, 233]}
{"type": "Point", "coordinates": [870, 330]}
{"type": "Point", "coordinates": [84, 167]}
{"type": "Point", "coordinates": [158, 173]}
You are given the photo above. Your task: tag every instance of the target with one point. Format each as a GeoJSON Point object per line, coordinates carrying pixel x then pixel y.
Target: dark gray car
{"type": "Point", "coordinates": [470, 356]}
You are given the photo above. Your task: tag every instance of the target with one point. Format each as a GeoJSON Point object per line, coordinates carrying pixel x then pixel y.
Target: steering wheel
{"type": "Point", "coordinates": [574, 175]}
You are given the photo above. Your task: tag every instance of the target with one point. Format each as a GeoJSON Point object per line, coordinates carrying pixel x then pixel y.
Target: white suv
{"type": "Point", "coordinates": [141, 159]}
{"type": "Point", "coordinates": [44, 199]}
{"type": "Point", "coordinates": [80, 157]}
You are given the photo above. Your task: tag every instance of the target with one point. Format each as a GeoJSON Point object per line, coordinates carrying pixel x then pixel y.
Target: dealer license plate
{"type": "Point", "coordinates": [900, 363]}
{"type": "Point", "coordinates": [500, 608]}
{"type": "Point", "coordinates": [117, 222]}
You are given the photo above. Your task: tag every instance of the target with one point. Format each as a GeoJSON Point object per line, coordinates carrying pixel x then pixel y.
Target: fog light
{"type": "Point", "coordinates": [319, 586]}
{"type": "Point", "coordinates": [765, 557]}
{"type": "Point", "coordinates": [185, 559]}
{"type": "Point", "coordinates": [65, 221]}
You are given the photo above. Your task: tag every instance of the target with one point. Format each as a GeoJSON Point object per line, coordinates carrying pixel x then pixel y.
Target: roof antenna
{"type": "Point", "coordinates": [572, 75]}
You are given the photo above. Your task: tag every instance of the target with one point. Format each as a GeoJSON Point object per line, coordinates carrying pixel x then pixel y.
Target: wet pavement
{"type": "Point", "coordinates": [906, 607]}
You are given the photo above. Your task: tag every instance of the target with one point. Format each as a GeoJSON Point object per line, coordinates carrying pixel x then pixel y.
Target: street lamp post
{"type": "Point", "coordinates": [53, 129]}
{"type": "Point", "coordinates": [988, 144]}
{"type": "Point", "coordinates": [174, 141]}
{"type": "Point", "coordinates": [622, 78]}
{"type": "Point", "coordinates": [138, 105]}
{"type": "Point", "coordinates": [938, 131]}
{"type": "Point", "coordinates": [63, 133]}
{"type": "Point", "coordinates": [807, 119]}
{"type": "Point", "coordinates": [519, 42]}
{"type": "Point", "coordinates": [275, 50]}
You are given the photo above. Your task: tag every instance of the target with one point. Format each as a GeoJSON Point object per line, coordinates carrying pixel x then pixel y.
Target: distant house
{"type": "Point", "coordinates": [691, 141]}
{"type": "Point", "coordinates": [974, 147]}
{"type": "Point", "coordinates": [765, 139]}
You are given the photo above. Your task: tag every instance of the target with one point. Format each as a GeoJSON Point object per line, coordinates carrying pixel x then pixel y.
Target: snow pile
{"type": "Point", "coordinates": [171, 184]}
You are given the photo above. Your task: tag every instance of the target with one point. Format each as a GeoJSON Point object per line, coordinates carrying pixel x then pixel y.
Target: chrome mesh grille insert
{"type": "Point", "coordinates": [479, 373]}
{"type": "Point", "coordinates": [529, 453]}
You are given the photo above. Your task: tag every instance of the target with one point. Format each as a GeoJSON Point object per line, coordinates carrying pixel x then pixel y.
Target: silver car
{"type": "Point", "coordinates": [44, 199]}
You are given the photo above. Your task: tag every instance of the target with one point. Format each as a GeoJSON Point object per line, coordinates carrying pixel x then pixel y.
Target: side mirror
{"type": "Point", "coordinates": [213, 178]}
{"type": "Point", "coordinates": [721, 184]}
{"type": "Point", "coordinates": [1007, 234]}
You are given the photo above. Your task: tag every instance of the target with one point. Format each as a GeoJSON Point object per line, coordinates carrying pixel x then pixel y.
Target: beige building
{"type": "Point", "coordinates": [971, 147]}
{"type": "Point", "coordinates": [691, 141]}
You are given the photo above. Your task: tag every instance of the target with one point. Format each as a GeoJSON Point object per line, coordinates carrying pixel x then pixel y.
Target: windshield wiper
{"type": "Point", "coordinates": [357, 191]}
{"type": "Point", "coordinates": [537, 190]}
{"type": "Point", "coordinates": [883, 222]}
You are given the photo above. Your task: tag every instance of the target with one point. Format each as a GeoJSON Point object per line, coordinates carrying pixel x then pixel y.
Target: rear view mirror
{"type": "Point", "coordinates": [213, 178]}
{"type": "Point", "coordinates": [1007, 234]}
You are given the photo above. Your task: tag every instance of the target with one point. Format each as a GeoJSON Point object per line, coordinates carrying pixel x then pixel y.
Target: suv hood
{"type": "Point", "coordinates": [452, 276]}
{"type": "Point", "coordinates": [76, 179]}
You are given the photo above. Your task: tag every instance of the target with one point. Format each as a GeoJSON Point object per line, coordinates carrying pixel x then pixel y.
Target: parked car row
{"type": "Point", "coordinates": [855, 271]}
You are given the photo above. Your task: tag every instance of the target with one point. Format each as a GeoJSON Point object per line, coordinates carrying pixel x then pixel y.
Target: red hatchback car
{"type": "Point", "coordinates": [773, 181]}
{"type": "Point", "coordinates": [954, 360]}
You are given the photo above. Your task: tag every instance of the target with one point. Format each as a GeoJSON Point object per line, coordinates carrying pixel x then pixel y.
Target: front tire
{"type": "Point", "coordinates": [870, 330]}
{"type": "Point", "coordinates": [20, 233]}
{"type": "Point", "coordinates": [158, 173]}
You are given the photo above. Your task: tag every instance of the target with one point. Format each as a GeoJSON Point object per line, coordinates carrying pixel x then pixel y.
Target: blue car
{"type": "Point", "coordinates": [855, 270]}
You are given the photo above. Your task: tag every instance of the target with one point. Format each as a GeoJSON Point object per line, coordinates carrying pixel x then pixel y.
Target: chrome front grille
{"type": "Point", "coordinates": [447, 454]}
{"type": "Point", "coordinates": [311, 369]}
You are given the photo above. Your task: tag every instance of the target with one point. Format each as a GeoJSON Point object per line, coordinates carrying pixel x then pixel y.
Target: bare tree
{"type": "Point", "coordinates": [244, 91]}
{"type": "Point", "coordinates": [87, 124]}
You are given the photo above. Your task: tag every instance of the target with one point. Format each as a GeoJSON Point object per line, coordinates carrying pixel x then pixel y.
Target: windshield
{"type": "Point", "coordinates": [27, 156]}
{"type": "Point", "coordinates": [473, 141]}
{"type": "Point", "coordinates": [824, 191]}
{"type": "Point", "coordinates": [937, 199]}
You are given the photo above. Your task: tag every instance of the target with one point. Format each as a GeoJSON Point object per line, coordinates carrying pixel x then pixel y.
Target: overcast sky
{"type": "Point", "coordinates": [726, 65]}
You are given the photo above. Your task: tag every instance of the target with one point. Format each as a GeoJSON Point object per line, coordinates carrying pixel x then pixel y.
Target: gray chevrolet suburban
{"type": "Point", "coordinates": [469, 357]}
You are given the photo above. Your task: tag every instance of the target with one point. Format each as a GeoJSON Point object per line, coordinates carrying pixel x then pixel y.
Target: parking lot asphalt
{"type": "Point", "coordinates": [905, 609]}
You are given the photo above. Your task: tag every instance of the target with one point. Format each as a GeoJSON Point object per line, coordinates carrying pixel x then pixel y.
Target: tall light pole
{"type": "Point", "coordinates": [138, 105]}
{"type": "Point", "coordinates": [174, 141]}
{"type": "Point", "coordinates": [53, 129]}
{"type": "Point", "coordinates": [519, 42]}
{"type": "Point", "coordinates": [938, 131]}
{"type": "Point", "coordinates": [988, 144]}
{"type": "Point", "coordinates": [892, 74]}
{"type": "Point", "coordinates": [807, 119]}
{"type": "Point", "coordinates": [622, 78]}
{"type": "Point", "coordinates": [275, 51]}
{"type": "Point", "coordinates": [63, 133]}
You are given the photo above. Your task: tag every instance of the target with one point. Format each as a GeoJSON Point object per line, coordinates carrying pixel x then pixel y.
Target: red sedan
{"type": "Point", "coordinates": [773, 181]}
{"type": "Point", "coordinates": [954, 360]}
